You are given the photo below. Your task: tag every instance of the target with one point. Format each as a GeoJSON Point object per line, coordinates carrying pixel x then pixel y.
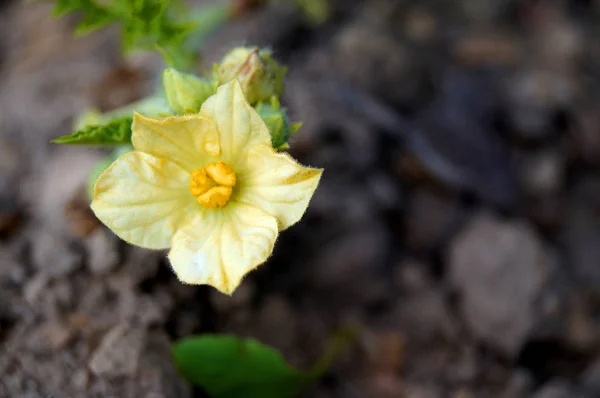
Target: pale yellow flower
{"type": "Point", "coordinates": [209, 186]}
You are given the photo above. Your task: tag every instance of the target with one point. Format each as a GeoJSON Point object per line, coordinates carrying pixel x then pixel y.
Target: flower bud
{"type": "Point", "coordinates": [259, 75]}
{"type": "Point", "coordinates": [276, 120]}
{"type": "Point", "coordinates": [186, 93]}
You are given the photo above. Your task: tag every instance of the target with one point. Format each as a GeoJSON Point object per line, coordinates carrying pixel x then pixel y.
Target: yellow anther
{"type": "Point", "coordinates": [200, 182]}
{"type": "Point", "coordinates": [221, 173]}
{"type": "Point", "coordinates": [215, 197]}
{"type": "Point", "coordinates": [213, 184]}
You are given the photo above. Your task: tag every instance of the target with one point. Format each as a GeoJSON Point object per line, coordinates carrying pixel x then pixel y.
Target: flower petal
{"type": "Point", "coordinates": [144, 199]}
{"type": "Point", "coordinates": [278, 184]}
{"type": "Point", "coordinates": [240, 126]}
{"type": "Point", "coordinates": [191, 141]}
{"type": "Point", "coordinates": [220, 246]}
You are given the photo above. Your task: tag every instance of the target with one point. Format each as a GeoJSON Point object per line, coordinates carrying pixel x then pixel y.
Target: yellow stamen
{"type": "Point", "coordinates": [213, 184]}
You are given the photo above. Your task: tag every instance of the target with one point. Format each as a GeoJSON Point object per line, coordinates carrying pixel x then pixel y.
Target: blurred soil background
{"type": "Point", "coordinates": [458, 219]}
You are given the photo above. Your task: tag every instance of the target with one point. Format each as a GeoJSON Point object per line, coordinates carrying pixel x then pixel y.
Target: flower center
{"type": "Point", "coordinates": [212, 184]}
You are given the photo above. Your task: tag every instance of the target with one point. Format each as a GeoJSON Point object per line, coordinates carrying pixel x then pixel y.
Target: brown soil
{"type": "Point", "coordinates": [458, 219]}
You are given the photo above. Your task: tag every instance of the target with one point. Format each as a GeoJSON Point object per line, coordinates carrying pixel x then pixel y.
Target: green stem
{"type": "Point", "coordinates": [338, 343]}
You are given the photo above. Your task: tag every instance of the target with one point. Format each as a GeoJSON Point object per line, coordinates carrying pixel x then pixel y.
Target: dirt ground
{"type": "Point", "coordinates": [458, 219]}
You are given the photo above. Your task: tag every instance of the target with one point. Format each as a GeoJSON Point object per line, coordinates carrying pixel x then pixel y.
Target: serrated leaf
{"type": "Point", "coordinates": [115, 132]}
{"type": "Point", "coordinates": [150, 25]}
{"type": "Point", "coordinates": [228, 367]}
{"type": "Point", "coordinates": [63, 7]}
{"type": "Point", "coordinates": [93, 20]}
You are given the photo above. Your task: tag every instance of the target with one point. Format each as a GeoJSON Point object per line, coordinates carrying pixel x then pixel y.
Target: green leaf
{"type": "Point", "coordinates": [93, 20]}
{"type": "Point", "coordinates": [185, 92]}
{"type": "Point", "coordinates": [115, 132]}
{"type": "Point", "coordinates": [228, 367]}
{"type": "Point", "coordinates": [275, 117]}
{"type": "Point", "coordinates": [149, 25]}
{"type": "Point", "coordinates": [63, 7]}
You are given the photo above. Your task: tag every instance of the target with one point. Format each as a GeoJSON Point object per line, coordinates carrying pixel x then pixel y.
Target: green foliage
{"type": "Point", "coordinates": [96, 16]}
{"type": "Point", "coordinates": [115, 132]}
{"type": "Point", "coordinates": [276, 119]}
{"type": "Point", "coordinates": [113, 128]}
{"type": "Point", "coordinates": [185, 92]}
{"type": "Point", "coordinates": [227, 367]}
{"type": "Point", "coordinates": [158, 25]}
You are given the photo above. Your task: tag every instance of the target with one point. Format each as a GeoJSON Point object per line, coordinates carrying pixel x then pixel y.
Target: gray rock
{"type": "Point", "coordinates": [140, 264]}
{"type": "Point", "coordinates": [411, 276]}
{"type": "Point", "coordinates": [57, 334]}
{"type": "Point", "coordinates": [359, 50]}
{"type": "Point", "coordinates": [157, 377]}
{"type": "Point", "coordinates": [64, 374]}
{"type": "Point", "coordinates": [559, 46]}
{"type": "Point", "coordinates": [542, 173]}
{"type": "Point", "coordinates": [555, 389]}
{"type": "Point", "coordinates": [424, 317]}
{"type": "Point", "coordinates": [349, 264]}
{"type": "Point", "coordinates": [430, 217]}
{"type": "Point", "coordinates": [519, 384]}
{"type": "Point", "coordinates": [145, 309]}
{"type": "Point", "coordinates": [119, 352]}
{"type": "Point", "coordinates": [34, 287]}
{"type": "Point", "coordinates": [60, 179]}
{"type": "Point", "coordinates": [582, 233]}
{"type": "Point", "coordinates": [590, 380]}
{"type": "Point", "coordinates": [499, 269]}
{"type": "Point", "coordinates": [534, 96]}
{"type": "Point", "coordinates": [53, 254]}
{"type": "Point", "coordinates": [102, 250]}
{"type": "Point", "coordinates": [420, 391]}
{"type": "Point", "coordinates": [12, 269]}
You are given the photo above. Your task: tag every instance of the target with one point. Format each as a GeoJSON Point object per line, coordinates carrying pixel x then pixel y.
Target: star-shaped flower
{"type": "Point", "coordinates": [209, 186]}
